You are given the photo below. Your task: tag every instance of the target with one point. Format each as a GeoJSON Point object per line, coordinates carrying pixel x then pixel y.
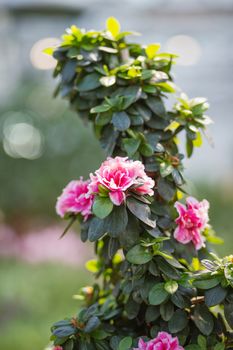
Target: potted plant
{"type": "Point", "coordinates": [159, 286]}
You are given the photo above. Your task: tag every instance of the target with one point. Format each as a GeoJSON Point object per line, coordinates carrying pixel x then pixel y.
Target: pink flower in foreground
{"type": "Point", "coordinates": [75, 199]}
{"type": "Point", "coordinates": [117, 175]}
{"type": "Point", "coordinates": [57, 348]}
{"type": "Point", "coordinates": [163, 341]}
{"type": "Point", "coordinates": [192, 220]}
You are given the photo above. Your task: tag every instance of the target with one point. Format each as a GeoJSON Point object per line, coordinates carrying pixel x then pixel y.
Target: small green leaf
{"type": "Point", "coordinates": [171, 287]}
{"type": "Point", "coordinates": [139, 255]}
{"type": "Point", "coordinates": [166, 189]}
{"type": "Point", "coordinates": [121, 121]}
{"type": "Point", "coordinates": [165, 169]}
{"type": "Point", "coordinates": [158, 294]}
{"type": "Point", "coordinates": [131, 146]}
{"type": "Point", "coordinates": [202, 342]}
{"type": "Point", "coordinates": [108, 81]}
{"type": "Point", "coordinates": [89, 82]}
{"type": "Point", "coordinates": [101, 108]}
{"type": "Point", "coordinates": [125, 343]}
{"type": "Point", "coordinates": [102, 207]}
{"type": "Point", "coordinates": [178, 321]}
{"type": "Point", "coordinates": [146, 150]}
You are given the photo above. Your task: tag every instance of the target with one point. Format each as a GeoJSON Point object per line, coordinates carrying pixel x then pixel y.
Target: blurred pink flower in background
{"type": "Point", "coordinates": [120, 174]}
{"type": "Point", "coordinates": [192, 220]}
{"type": "Point", "coordinates": [43, 245]}
{"type": "Point", "coordinates": [75, 199]}
{"type": "Point", "coordinates": [163, 341]}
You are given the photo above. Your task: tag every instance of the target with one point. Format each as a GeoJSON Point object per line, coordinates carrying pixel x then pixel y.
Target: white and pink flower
{"type": "Point", "coordinates": [75, 199]}
{"type": "Point", "coordinates": [119, 175]}
{"type": "Point", "coordinates": [192, 220]}
{"type": "Point", "coordinates": [163, 341]}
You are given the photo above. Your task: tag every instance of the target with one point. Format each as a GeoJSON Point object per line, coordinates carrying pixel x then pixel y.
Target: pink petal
{"type": "Point", "coordinates": [117, 197]}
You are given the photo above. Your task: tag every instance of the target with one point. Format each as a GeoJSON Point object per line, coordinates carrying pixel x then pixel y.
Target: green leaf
{"type": "Point", "coordinates": [228, 312]}
{"type": "Point", "coordinates": [156, 105]}
{"type": "Point", "coordinates": [152, 313]}
{"type": "Point", "coordinates": [89, 82]}
{"type": "Point", "coordinates": [131, 146]}
{"type": "Point", "coordinates": [189, 147]}
{"type": "Point", "coordinates": [215, 296]}
{"type": "Point", "coordinates": [203, 319]}
{"type": "Point", "coordinates": [202, 342]}
{"type": "Point", "coordinates": [108, 81]}
{"type": "Point", "coordinates": [165, 169]}
{"type": "Point", "coordinates": [166, 189]}
{"type": "Point", "coordinates": [140, 210]}
{"type": "Point", "coordinates": [116, 222]}
{"type": "Point", "coordinates": [121, 121]}
{"type": "Point", "coordinates": [92, 324]}
{"type": "Point", "coordinates": [102, 207]}
{"type": "Point", "coordinates": [206, 284]}
{"type": "Point", "coordinates": [125, 343]}
{"type": "Point", "coordinates": [113, 26]}
{"type": "Point", "coordinates": [171, 287]}
{"type": "Point", "coordinates": [192, 347]}
{"type": "Point", "coordinates": [146, 150]}
{"type": "Point", "coordinates": [49, 51]}
{"type": "Point", "coordinates": [139, 255]}
{"type": "Point", "coordinates": [178, 321]}
{"type": "Point", "coordinates": [167, 311]}
{"type": "Point", "coordinates": [101, 108]}
{"type": "Point", "coordinates": [103, 118]}
{"type": "Point", "coordinates": [219, 346]}
{"type": "Point", "coordinates": [96, 229]}
{"type": "Point", "coordinates": [72, 220]}
{"type": "Point", "coordinates": [92, 266]}
{"type": "Point", "coordinates": [158, 294]}
{"type": "Point", "coordinates": [99, 334]}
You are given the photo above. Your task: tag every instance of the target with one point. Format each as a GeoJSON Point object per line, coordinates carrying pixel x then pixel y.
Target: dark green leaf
{"type": "Point", "coordinates": [167, 311]}
{"type": "Point", "coordinates": [157, 106]}
{"type": "Point", "coordinates": [158, 294]}
{"type": "Point", "coordinates": [139, 255]}
{"type": "Point", "coordinates": [152, 313]}
{"type": "Point", "coordinates": [228, 312]}
{"type": "Point", "coordinates": [121, 121]}
{"type": "Point", "coordinates": [215, 296]}
{"type": "Point", "coordinates": [89, 82]}
{"type": "Point", "coordinates": [92, 324]}
{"type": "Point", "coordinates": [141, 211]}
{"type": "Point", "coordinates": [203, 319]}
{"type": "Point", "coordinates": [166, 189]}
{"type": "Point", "coordinates": [116, 222]}
{"type": "Point", "coordinates": [178, 321]}
{"type": "Point", "coordinates": [96, 229]}
{"type": "Point", "coordinates": [206, 284]}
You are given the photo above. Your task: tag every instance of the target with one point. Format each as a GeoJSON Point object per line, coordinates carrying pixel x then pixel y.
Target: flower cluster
{"type": "Point", "coordinates": [163, 341]}
{"type": "Point", "coordinates": [192, 220]}
{"type": "Point", "coordinates": [75, 199]}
{"type": "Point", "coordinates": [115, 177]}
{"type": "Point", "coordinates": [119, 175]}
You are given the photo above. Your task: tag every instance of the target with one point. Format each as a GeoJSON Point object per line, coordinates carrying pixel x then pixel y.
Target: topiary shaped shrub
{"type": "Point", "coordinates": [159, 284]}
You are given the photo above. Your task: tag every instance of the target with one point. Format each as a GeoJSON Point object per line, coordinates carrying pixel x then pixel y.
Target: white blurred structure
{"type": "Point", "coordinates": [200, 31]}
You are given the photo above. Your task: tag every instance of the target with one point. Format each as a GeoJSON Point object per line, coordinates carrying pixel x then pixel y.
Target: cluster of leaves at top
{"type": "Point", "coordinates": [147, 281]}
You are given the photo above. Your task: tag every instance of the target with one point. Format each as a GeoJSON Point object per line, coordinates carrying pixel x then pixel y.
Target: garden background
{"type": "Point", "coordinates": [44, 145]}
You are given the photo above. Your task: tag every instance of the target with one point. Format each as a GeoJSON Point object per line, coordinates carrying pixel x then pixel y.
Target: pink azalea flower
{"type": "Point", "coordinates": [57, 348]}
{"type": "Point", "coordinates": [75, 199]}
{"type": "Point", "coordinates": [192, 220]}
{"type": "Point", "coordinates": [117, 175]}
{"type": "Point", "coordinates": [163, 341]}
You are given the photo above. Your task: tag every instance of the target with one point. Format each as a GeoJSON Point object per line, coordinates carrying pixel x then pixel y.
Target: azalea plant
{"type": "Point", "coordinates": [159, 286]}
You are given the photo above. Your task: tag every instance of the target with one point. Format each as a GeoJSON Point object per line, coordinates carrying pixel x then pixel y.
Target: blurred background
{"type": "Point", "coordinates": [43, 145]}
